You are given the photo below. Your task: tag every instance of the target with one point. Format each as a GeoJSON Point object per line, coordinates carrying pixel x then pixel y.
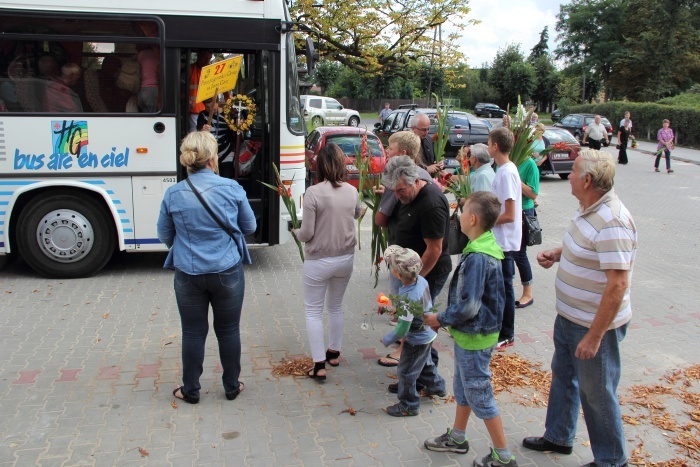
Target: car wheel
{"type": "Point", "coordinates": [354, 121]}
{"type": "Point", "coordinates": [317, 121]}
{"type": "Point", "coordinates": [564, 176]}
{"type": "Point", "coordinates": [578, 136]}
{"type": "Point", "coordinates": [490, 115]}
{"type": "Point", "coordinates": [606, 144]}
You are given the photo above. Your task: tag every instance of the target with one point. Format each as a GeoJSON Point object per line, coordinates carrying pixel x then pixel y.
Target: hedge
{"type": "Point", "coordinates": [647, 119]}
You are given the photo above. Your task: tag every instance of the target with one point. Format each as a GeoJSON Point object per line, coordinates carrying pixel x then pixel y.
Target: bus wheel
{"type": "Point", "coordinates": [65, 236]}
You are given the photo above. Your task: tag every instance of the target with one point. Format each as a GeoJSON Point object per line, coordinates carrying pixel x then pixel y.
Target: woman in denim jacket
{"type": "Point", "coordinates": [208, 263]}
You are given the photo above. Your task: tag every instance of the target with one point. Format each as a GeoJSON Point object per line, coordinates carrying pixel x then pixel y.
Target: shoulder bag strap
{"type": "Point", "coordinates": [211, 213]}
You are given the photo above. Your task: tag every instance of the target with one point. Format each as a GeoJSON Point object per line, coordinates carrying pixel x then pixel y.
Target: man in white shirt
{"type": "Point", "coordinates": [508, 229]}
{"type": "Point", "coordinates": [595, 133]}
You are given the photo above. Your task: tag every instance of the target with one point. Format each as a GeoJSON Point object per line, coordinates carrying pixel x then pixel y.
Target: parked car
{"type": "Point", "coordinates": [556, 115]}
{"type": "Point", "coordinates": [576, 124]}
{"type": "Point", "coordinates": [564, 151]}
{"type": "Point", "coordinates": [489, 110]}
{"type": "Point", "coordinates": [465, 129]}
{"type": "Point", "coordinates": [327, 111]}
{"type": "Point", "coordinates": [350, 141]}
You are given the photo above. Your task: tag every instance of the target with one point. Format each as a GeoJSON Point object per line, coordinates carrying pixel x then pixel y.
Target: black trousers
{"type": "Point", "coordinates": [594, 143]}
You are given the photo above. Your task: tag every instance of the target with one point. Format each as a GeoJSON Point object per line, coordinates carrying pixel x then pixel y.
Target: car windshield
{"type": "Point", "coordinates": [558, 136]}
{"type": "Point", "coordinates": [351, 144]}
{"type": "Point", "coordinates": [603, 120]}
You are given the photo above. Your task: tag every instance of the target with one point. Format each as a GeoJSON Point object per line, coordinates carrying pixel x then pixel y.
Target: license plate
{"type": "Point", "coordinates": [560, 155]}
{"type": "Point", "coordinates": [351, 167]}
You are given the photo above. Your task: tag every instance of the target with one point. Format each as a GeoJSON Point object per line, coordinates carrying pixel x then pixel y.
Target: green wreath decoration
{"type": "Point", "coordinates": [247, 116]}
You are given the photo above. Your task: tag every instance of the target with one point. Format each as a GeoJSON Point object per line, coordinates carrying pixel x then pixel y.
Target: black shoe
{"type": "Point", "coordinates": [233, 394]}
{"type": "Point", "coordinates": [540, 444]}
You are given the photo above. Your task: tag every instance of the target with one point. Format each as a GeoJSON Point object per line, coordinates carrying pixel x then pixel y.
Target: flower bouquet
{"type": "Point", "coordinates": [523, 135]}
{"type": "Point", "coordinates": [402, 306]}
{"type": "Point", "coordinates": [441, 136]}
{"type": "Point", "coordinates": [368, 183]}
{"type": "Point", "coordinates": [288, 200]}
{"type": "Point", "coordinates": [634, 143]}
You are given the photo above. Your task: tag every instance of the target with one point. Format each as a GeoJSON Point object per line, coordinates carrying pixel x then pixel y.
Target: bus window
{"type": "Point", "coordinates": [53, 75]}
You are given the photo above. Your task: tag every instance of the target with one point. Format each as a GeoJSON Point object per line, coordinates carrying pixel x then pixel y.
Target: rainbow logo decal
{"type": "Point", "coordinates": [69, 137]}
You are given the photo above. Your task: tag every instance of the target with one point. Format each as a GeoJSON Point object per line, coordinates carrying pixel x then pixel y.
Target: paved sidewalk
{"type": "Point", "coordinates": [88, 365]}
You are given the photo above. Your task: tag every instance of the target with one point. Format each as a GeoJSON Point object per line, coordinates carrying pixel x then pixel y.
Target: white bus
{"type": "Point", "coordinates": [84, 161]}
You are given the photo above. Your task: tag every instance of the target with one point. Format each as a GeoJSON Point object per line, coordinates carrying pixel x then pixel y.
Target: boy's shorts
{"type": "Point", "coordinates": [472, 381]}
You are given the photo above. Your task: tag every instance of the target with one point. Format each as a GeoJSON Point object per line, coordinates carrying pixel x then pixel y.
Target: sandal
{"type": "Point", "coordinates": [333, 355]}
{"type": "Point", "coordinates": [388, 364]}
{"type": "Point", "coordinates": [317, 367]}
{"type": "Point", "coordinates": [397, 411]}
{"type": "Point", "coordinates": [185, 397]}
{"type": "Point", "coordinates": [232, 395]}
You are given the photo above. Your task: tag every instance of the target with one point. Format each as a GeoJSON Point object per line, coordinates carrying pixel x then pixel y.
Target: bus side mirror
{"type": "Point", "coordinates": [311, 56]}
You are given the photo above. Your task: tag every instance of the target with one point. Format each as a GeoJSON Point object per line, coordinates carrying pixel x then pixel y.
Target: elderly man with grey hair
{"type": "Point", "coordinates": [593, 313]}
{"type": "Point", "coordinates": [483, 175]}
{"type": "Point", "coordinates": [423, 220]}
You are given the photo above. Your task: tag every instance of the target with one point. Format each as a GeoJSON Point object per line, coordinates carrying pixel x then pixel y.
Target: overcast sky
{"type": "Point", "coordinates": [504, 22]}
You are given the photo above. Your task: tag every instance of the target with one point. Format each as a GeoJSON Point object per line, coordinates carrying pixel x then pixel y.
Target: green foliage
{"type": "Point", "coordinates": [546, 80]}
{"type": "Point", "coordinates": [511, 76]}
{"type": "Point", "coordinates": [326, 73]}
{"type": "Point", "coordinates": [541, 48]}
{"type": "Point", "coordinates": [591, 33]}
{"type": "Point", "coordinates": [661, 52]}
{"type": "Point", "coordinates": [686, 99]}
{"type": "Point", "coordinates": [647, 119]}
{"type": "Point", "coordinates": [351, 84]}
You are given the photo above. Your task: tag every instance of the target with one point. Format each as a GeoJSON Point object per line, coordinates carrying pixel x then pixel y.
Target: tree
{"type": "Point", "coordinates": [546, 80]}
{"type": "Point", "coordinates": [659, 61]}
{"type": "Point", "coordinates": [326, 73]}
{"type": "Point", "coordinates": [541, 48]}
{"type": "Point", "coordinates": [591, 33]}
{"type": "Point", "coordinates": [511, 76]}
{"type": "Point", "coordinates": [374, 36]}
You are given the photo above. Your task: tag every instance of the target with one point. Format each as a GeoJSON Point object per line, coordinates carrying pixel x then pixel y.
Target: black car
{"type": "Point", "coordinates": [489, 110]}
{"type": "Point", "coordinates": [556, 115]}
{"type": "Point", "coordinates": [465, 128]}
{"type": "Point", "coordinates": [576, 124]}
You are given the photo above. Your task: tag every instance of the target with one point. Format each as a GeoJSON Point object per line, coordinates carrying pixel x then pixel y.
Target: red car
{"type": "Point", "coordinates": [349, 139]}
{"type": "Point", "coordinates": [564, 152]}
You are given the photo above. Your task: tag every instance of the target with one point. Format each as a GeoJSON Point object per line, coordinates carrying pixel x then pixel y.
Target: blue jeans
{"type": "Point", "coordinates": [520, 257]}
{"type": "Point", "coordinates": [508, 326]}
{"type": "Point", "coordinates": [472, 382]}
{"type": "Point", "coordinates": [589, 383]}
{"type": "Point", "coordinates": [224, 291]}
{"type": "Point", "coordinates": [416, 366]}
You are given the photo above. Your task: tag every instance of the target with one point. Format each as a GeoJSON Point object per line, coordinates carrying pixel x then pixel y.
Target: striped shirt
{"type": "Point", "coordinates": [599, 238]}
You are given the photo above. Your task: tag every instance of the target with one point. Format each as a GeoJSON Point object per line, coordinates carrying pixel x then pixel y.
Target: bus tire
{"type": "Point", "coordinates": [65, 236]}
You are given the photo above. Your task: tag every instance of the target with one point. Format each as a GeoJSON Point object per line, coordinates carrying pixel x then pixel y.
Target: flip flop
{"type": "Point", "coordinates": [184, 397]}
{"type": "Point", "coordinates": [388, 364]}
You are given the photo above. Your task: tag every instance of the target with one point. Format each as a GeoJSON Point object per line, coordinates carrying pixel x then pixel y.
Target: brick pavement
{"type": "Point", "coordinates": [88, 365]}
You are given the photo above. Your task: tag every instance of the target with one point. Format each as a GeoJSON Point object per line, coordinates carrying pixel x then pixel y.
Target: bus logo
{"type": "Point", "coordinates": [69, 137]}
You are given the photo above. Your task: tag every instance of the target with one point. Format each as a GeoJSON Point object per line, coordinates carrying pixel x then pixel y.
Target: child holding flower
{"type": "Point", "coordinates": [415, 363]}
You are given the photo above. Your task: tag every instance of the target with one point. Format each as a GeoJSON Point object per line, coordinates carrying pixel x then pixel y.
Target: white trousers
{"type": "Point", "coordinates": [325, 280]}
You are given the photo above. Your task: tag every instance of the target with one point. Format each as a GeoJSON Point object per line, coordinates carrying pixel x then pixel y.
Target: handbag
{"type": "Point", "coordinates": [456, 240]}
{"type": "Point", "coordinates": [532, 230]}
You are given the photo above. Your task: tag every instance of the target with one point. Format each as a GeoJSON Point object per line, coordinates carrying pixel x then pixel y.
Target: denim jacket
{"type": "Point", "coordinates": [476, 297]}
{"type": "Point", "coordinates": [197, 244]}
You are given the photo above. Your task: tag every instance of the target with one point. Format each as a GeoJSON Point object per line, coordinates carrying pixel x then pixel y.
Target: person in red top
{"type": "Point", "coordinates": [203, 58]}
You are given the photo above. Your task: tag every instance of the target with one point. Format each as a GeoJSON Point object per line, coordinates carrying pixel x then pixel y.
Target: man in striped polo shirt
{"type": "Point", "coordinates": [593, 312]}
